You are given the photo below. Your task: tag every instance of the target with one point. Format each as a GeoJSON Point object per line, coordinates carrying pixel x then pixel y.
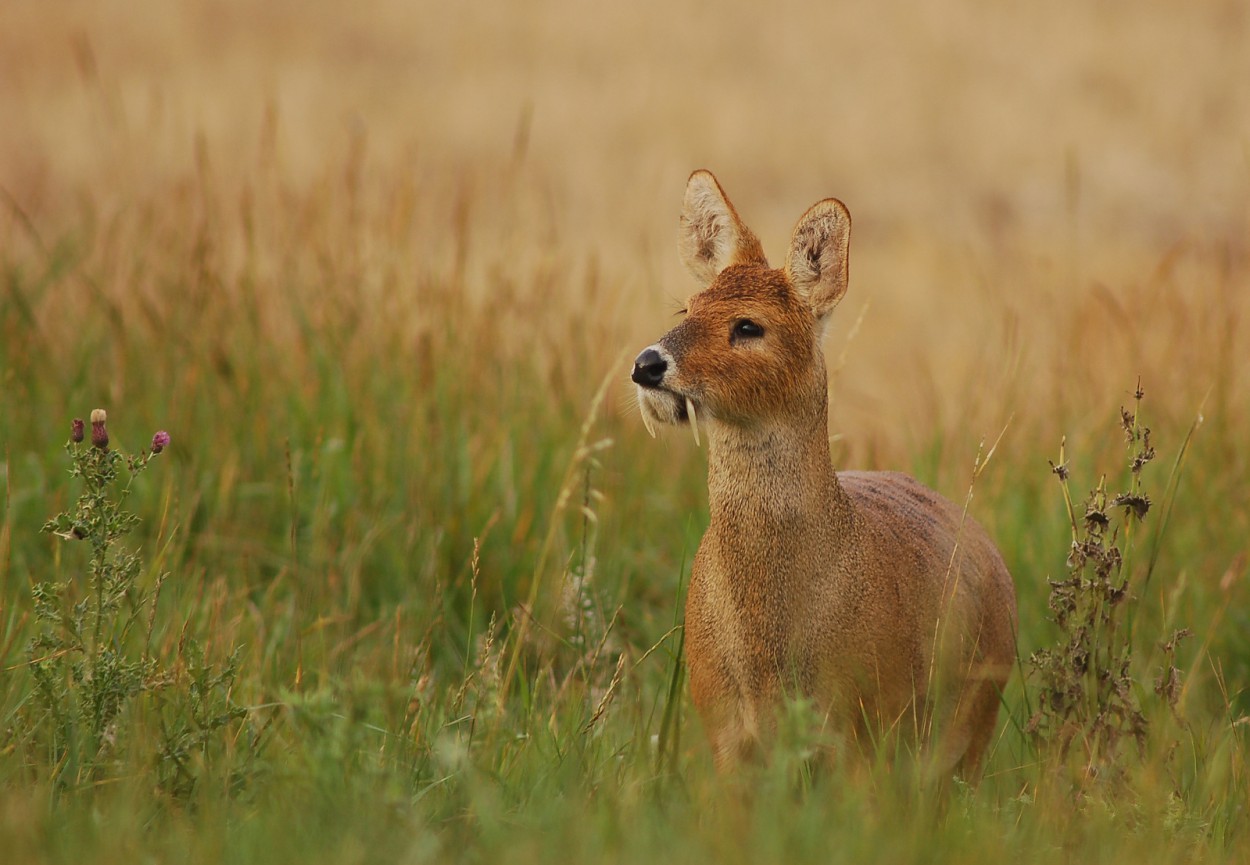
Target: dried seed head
{"type": "Point", "coordinates": [160, 441]}
{"type": "Point", "coordinates": [1127, 421]}
{"type": "Point", "coordinates": [76, 430]}
{"type": "Point", "coordinates": [99, 433]}
{"type": "Point", "coordinates": [1138, 504]}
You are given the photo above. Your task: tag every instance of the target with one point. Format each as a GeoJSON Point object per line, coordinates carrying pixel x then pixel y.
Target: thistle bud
{"type": "Point", "coordinates": [76, 430]}
{"type": "Point", "coordinates": [99, 434]}
{"type": "Point", "coordinates": [160, 441]}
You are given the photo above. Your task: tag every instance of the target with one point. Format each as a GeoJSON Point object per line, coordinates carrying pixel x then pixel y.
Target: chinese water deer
{"type": "Point", "coordinates": [868, 594]}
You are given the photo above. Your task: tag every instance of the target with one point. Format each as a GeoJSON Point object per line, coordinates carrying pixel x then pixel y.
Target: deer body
{"type": "Point", "coordinates": [865, 592]}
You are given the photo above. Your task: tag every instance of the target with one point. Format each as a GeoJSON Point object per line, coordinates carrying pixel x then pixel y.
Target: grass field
{"type": "Point", "coordinates": [380, 274]}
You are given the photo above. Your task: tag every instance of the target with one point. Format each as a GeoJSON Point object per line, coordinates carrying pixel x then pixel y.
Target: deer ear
{"type": "Point", "coordinates": [712, 236]}
{"type": "Point", "coordinates": [817, 262]}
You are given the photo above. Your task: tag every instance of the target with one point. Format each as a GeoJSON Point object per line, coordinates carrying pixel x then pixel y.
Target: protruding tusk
{"type": "Point", "coordinates": [646, 421]}
{"type": "Point", "coordinates": [694, 422]}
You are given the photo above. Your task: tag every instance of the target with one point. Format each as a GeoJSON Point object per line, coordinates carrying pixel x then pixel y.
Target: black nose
{"type": "Point", "coordinates": [649, 368]}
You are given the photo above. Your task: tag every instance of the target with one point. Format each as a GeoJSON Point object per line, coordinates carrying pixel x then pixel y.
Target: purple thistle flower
{"type": "Point", "coordinates": [99, 434]}
{"type": "Point", "coordinates": [160, 441]}
{"type": "Point", "coordinates": [76, 430]}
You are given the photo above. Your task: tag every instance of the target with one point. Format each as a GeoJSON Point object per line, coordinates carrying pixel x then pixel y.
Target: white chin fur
{"type": "Point", "coordinates": [662, 407]}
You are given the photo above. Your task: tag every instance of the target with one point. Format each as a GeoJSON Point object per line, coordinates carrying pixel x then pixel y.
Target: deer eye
{"type": "Point", "coordinates": [744, 328]}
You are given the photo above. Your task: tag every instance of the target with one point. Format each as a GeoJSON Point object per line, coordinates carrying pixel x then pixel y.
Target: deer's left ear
{"type": "Point", "coordinates": [817, 263]}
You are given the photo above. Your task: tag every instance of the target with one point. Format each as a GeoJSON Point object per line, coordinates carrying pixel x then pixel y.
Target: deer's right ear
{"type": "Point", "coordinates": [818, 259]}
{"type": "Point", "coordinates": [712, 236]}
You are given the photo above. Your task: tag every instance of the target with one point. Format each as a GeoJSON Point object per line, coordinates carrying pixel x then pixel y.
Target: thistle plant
{"type": "Point", "coordinates": [92, 654]}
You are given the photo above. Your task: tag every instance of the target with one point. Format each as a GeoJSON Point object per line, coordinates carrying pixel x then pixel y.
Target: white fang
{"type": "Point", "coordinates": [646, 421]}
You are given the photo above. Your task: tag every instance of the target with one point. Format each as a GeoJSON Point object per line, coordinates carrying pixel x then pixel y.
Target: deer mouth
{"type": "Point", "coordinates": [660, 405]}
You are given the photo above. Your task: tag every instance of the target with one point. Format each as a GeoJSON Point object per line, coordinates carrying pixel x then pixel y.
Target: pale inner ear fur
{"type": "Point", "coordinates": [712, 236]}
{"type": "Point", "coordinates": [817, 263]}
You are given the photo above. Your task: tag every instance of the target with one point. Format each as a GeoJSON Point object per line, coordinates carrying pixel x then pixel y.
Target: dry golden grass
{"type": "Point", "coordinates": [1018, 177]}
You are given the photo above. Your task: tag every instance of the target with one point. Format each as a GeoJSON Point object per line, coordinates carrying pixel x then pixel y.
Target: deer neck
{"type": "Point", "coordinates": [774, 482]}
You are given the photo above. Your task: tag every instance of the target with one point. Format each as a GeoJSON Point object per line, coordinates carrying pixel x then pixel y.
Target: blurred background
{"type": "Point", "coordinates": [966, 118]}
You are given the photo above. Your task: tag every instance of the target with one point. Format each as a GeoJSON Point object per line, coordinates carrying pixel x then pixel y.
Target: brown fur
{"type": "Point", "coordinates": [866, 592]}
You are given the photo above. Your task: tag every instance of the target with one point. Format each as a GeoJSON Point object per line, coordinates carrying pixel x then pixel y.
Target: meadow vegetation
{"type": "Point", "coordinates": [406, 584]}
